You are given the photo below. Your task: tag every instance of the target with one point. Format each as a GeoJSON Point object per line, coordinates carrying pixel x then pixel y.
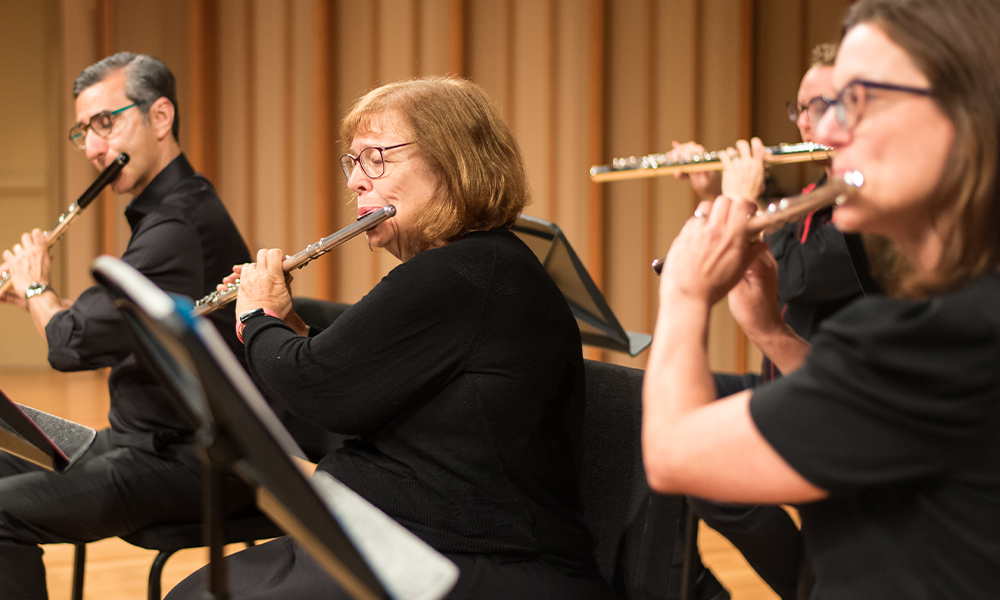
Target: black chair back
{"type": "Point", "coordinates": [636, 528]}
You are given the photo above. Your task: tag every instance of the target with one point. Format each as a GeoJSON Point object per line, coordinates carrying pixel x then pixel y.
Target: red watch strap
{"type": "Point", "coordinates": [240, 324]}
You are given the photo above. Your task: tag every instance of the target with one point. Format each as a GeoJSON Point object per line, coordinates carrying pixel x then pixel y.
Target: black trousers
{"type": "Point", "coordinates": [282, 570]}
{"type": "Point", "coordinates": [113, 490]}
{"type": "Point", "coordinates": [765, 535]}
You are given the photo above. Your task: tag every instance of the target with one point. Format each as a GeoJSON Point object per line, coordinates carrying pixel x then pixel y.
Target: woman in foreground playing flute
{"type": "Point", "coordinates": [461, 372]}
{"type": "Point", "coordinates": [886, 430]}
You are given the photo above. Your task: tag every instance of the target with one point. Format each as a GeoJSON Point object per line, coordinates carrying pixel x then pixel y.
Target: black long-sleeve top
{"type": "Point", "coordinates": [461, 372]}
{"type": "Point", "coordinates": [184, 241]}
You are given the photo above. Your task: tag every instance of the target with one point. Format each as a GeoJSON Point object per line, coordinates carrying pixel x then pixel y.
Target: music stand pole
{"type": "Point", "coordinates": [217, 458]}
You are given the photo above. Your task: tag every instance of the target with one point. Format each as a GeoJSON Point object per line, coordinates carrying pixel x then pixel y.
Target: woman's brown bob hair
{"type": "Point", "coordinates": [956, 45]}
{"type": "Point", "coordinates": [466, 144]}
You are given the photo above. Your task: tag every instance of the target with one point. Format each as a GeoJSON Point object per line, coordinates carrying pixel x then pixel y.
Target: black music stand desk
{"type": "Point", "coordinates": [598, 325]}
{"type": "Point", "coordinates": [46, 440]}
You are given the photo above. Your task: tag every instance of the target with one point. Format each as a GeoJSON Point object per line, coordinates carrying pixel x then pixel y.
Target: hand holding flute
{"type": "Point", "coordinates": [265, 284]}
{"type": "Point", "coordinates": [719, 251]}
{"type": "Point", "coordinates": [109, 174]}
{"type": "Point", "coordinates": [787, 209]}
{"type": "Point", "coordinates": [711, 252]}
{"type": "Point", "coordinates": [741, 176]}
{"type": "Point", "coordinates": [26, 263]}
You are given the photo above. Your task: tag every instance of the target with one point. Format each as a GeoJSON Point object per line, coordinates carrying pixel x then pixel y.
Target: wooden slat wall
{"type": "Point", "coordinates": [31, 156]}
{"type": "Point", "coordinates": [263, 84]}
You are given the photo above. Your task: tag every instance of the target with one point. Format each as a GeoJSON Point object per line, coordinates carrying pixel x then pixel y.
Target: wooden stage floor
{"type": "Point", "coordinates": [119, 571]}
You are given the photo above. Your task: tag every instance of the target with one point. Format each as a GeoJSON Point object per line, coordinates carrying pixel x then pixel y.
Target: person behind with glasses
{"type": "Point", "coordinates": [817, 276]}
{"type": "Point", "coordinates": [886, 428]}
{"type": "Point", "coordinates": [143, 470]}
{"type": "Point", "coordinates": [460, 373]}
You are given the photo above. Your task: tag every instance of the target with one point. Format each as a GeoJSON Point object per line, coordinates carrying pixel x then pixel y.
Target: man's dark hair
{"type": "Point", "coordinates": [146, 80]}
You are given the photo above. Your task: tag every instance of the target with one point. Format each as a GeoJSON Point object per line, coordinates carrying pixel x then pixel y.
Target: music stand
{"type": "Point", "coordinates": [46, 440]}
{"type": "Point", "coordinates": [598, 325]}
{"type": "Point", "coordinates": [368, 553]}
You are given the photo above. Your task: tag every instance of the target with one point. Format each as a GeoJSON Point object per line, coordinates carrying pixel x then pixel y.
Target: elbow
{"type": "Point", "coordinates": [663, 474]}
{"type": "Point", "coordinates": [660, 482]}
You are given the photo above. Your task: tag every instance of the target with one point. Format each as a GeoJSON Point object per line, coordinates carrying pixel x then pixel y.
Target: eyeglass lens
{"type": "Point", "coordinates": [102, 123]}
{"type": "Point", "coordinates": [850, 103]}
{"type": "Point", "coordinates": [370, 160]}
{"type": "Point", "coordinates": [815, 108]}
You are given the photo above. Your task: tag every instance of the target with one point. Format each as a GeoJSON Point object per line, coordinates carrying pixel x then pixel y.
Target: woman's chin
{"type": "Point", "coordinates": [847, 220]}
{"type": "Point", "coordinates": [377, 240]}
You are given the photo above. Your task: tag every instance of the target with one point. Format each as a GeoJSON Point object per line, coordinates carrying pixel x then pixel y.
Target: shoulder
{"type": "Point", "coordinates": [484, 264]}
{"type": "Point", "coordinates": [191, 195]}
{"type": "Point", "coordinates": [480, 254]}
{"type": "Point", "coordinates": [907, 355]}
{"type": "Point", "coordinates": [972, 313]}
{"type": "Point", "coordinates": [191, 204]}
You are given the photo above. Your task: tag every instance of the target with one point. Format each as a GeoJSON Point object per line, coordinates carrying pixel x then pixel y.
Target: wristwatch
{"type": "Point", "coordinates": [34, 289]}
{"type": "Point", "coordinates": [257, 312]}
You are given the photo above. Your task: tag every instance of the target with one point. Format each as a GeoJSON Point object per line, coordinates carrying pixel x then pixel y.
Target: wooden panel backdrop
{"type": "Point", "coordinates": [263, 83]}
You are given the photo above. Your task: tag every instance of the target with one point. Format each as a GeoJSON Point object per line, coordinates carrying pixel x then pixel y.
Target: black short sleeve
{"type": "Point", "coordinates": [892, 391]}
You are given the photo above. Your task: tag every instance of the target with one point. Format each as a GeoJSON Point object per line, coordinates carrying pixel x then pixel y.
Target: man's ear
{"type": "Point", "coordinates": [161, 115]}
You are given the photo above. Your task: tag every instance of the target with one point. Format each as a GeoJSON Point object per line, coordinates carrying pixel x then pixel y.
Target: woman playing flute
{"type": "Point", "coordinates": [886, 429]}
{"type": "Point", "coordinates": [460, 373]}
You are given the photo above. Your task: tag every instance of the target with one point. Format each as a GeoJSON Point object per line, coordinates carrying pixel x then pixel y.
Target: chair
{"type": "Point", "coordinates": [636, 529]}
{"type": "Point", "coordinates": [246, 527]}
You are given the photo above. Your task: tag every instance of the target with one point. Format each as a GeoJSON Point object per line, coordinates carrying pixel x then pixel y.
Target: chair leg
{"type": "Point", "coordinates": [79, 569]}
{"type": "Point", "coordinates": [156, 574]}
{"type": "Point", "coordinates": [806, 578]}
{"type": "Point", "coordinates": [690, 548]}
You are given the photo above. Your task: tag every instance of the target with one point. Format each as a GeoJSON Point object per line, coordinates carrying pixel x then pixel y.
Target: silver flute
{"type": "Point", "coordinates": [217, 299]}
{"type": "Point", "coordinates": [656, 165]}
{"type": "Point", "coordinates": [66, 219]}
{"type": "Point", "coordinates": [834, 192]}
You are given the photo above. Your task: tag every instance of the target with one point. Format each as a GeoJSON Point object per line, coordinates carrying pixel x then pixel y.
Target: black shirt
{"type": "Point", "coordinates": [896, 413]}
{"type": "Point", "coordinates": [184, 241]}
{"type": "Point", "coordinates": [462, 374]}
{"type": "Point", "coordinates": [816, 274]}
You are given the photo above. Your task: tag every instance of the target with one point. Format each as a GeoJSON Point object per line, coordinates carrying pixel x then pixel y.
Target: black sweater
{"type": "Point", "coordinates": [461, 372]}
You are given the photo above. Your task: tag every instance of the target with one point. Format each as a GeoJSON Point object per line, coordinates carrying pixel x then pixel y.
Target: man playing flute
{"type": "Point", "coordinates": [143, 469]}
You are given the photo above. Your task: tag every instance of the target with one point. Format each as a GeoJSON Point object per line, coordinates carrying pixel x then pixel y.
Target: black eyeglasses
{"type": "Point", "coordinates": [815, 108]}
{"type": "Point", "coordinates": [371, 160]}
{"type": "Point", "coordinates": [850, 102]}
{"type": "Point", "coordinates": [102, 123]}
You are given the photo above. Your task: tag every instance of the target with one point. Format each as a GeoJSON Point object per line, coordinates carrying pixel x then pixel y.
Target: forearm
{"type": "Point", "coordinates": [314, 379]}
{"type": "Point", "coordinates": [786, 349]}
{"type": "Point", "coordinates": [694, 444]}
{"type": "Point", "coordinates": [678, 381]}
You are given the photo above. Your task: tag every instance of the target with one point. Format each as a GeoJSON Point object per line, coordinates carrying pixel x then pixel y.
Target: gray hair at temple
{"type": "Point", "coordinates": [146, 81]}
